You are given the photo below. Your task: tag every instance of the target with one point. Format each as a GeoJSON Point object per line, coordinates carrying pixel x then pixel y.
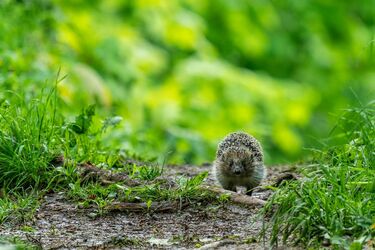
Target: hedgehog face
{"type": "Point", "coordinates": [237, 161]}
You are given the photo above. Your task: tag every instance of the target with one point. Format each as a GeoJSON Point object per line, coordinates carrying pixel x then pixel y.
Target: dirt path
{"type": "Point", "coordinates": [59, 224]}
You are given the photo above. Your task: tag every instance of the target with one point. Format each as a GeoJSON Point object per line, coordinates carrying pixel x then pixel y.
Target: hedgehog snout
{"type": "Point", "coordinates": [237, 169]}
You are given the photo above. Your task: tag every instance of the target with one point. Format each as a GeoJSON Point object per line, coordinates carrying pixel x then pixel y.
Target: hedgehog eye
{"type": "Point", "coordinates": [231, 164]}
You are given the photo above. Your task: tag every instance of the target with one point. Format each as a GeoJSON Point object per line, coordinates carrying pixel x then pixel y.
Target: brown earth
{"type": "Point", "coordinates": [60, 224]}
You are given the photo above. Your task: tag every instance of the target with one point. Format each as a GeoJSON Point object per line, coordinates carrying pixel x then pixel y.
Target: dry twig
{"type": "Point", "coordinates": [91, 172]}
{"type": "Point", "coordinates": [236, 197]}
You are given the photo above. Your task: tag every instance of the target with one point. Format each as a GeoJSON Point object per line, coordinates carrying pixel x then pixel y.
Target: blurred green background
{"type": "Point", "coordinates": [185, 73]}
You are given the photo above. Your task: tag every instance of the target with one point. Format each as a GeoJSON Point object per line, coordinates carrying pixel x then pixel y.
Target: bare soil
{"type": "Point", "coordinates": [60, 224]}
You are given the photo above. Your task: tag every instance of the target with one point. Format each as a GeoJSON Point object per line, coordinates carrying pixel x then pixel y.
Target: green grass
{"type": "Point", "coordinates": [33, 134]}
{"type": "Point", "coordinates": [29, 139]}
{"type": "Point", "coordinates": [18, 207]}
{"type": "Point", "coordinates": [334, 202]}
{"type": "Point", "coordinates": [16, 243]}
{"type": "Point", "coordinates": [181, 189]}
{"type": "Point", "coordinates": [141, 172]}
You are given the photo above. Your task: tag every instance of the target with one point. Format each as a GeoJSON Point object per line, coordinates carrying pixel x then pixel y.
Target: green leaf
{"type": "Point", "coordinates": [83, 121]}
{"type": "Point", "coordinates": [355, 246]}
{"type": "Point", "coordinates": [111, 122]}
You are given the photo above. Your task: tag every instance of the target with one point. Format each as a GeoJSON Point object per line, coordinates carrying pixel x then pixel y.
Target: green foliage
{"type": "Point", "coordinates": [83, 138]}
{"type": "Point", "coordinates": [111, 122]}
{"type": "Point", "coordinates": [83, 121]}
{"type": "Point", "coordinates": [183, 74]}
{"type": "Point", "coordinates": [186, 73]}
{"type": "Point", "coordinates": [335, 199]}
{"type": "Point", "coordinates": [152, 189]}
{"type": "Point", "coordinates": [143, 172]}
{"type": "Point", "coordinates": [16, 244]}
{"type": "Point", "coordinates": [189, 186]}
{"type": "Point", "coordinates": [15, 207]}
{"type": "Point", "coordinates": [29, 139]}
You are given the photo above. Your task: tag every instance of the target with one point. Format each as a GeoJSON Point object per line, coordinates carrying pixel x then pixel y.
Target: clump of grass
{"type": "Point", "coordinates": [335, 201]}
{"type": "Point", "coordinates": [16, 243]}
{"type": "Point", "coordinates": [29, 139]}
{"type": "Point", "coordinates": [15, 207]}
{"type": "Point", "coordinates": [33, 132]}
{"type": "Point", "coordinates": [143, 172]}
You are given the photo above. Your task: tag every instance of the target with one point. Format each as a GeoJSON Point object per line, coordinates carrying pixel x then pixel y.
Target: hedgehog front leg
{"type": "Point", "coordinates": [249, 192]}
{"type": "Point", "coordinates": [227, 184]}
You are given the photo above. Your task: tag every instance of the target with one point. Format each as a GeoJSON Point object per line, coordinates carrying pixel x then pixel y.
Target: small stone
{"type": "Point", "coordinates": [92, 215]}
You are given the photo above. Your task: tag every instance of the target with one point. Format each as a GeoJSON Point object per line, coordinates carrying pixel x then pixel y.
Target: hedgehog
{"type": "Point", "coordinates": [239, 162]}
